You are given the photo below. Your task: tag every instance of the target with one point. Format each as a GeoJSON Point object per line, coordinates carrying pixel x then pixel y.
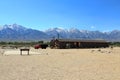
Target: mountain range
{"type": "Point", "coordinates": [17, 32]}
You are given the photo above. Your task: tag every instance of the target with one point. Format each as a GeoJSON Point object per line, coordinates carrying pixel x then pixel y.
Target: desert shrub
{"type": "Point", "coordinates": [19, 44]}
{"type": "Point", "coordinates": [117, 44]}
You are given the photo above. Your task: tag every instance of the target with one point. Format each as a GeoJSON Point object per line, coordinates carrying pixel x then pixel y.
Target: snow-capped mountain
{"type": "Point", "coordinates": [84, 34]}
{"type": "Point", "coordinates": [19, 33]}
{"type": "Point", "coordinates": [53, 32]}
{"type": "Point", "coordinates": [13, 27]}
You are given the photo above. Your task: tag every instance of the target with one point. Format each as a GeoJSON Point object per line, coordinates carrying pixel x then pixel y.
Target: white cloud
{"type": "Point", "coordinates": [61, 27]}
{"type": "Point", "coordinates": [92, 27]}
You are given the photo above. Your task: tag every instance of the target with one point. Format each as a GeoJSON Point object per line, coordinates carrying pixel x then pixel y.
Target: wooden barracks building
{"type": "Point", "coordinates": [68, 43]}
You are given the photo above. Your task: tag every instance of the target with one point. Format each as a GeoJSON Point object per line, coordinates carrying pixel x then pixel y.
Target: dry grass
{"type": "Point", "coordinates": [61, 64]}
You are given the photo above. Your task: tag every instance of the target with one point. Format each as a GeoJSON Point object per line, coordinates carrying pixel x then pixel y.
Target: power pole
{"type": "Point", "coordinates": [58, 36]}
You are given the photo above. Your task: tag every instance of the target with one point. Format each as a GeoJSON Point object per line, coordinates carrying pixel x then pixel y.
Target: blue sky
{"type": "Point", "coordinates": [103, 15]}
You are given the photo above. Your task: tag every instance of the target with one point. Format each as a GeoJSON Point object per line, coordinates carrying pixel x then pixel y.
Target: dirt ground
{"type": "Point", "coordinates": [60, 64]}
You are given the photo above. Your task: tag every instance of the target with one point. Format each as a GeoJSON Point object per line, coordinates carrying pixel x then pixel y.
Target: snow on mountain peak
{"type": "Point", "coordinates": [13, 27]}
{"type": "Point", "coordinates": [18, 32]}
{"type": "Point", "coordinates": [74, 30]}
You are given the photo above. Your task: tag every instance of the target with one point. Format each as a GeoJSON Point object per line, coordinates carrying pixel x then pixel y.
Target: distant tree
{"type": "Point", "coordinates": [115, 44]}
{"type": "Point", "coordinates": [3, 43]}
{"type": "Point", "coordinates": [40, 42]}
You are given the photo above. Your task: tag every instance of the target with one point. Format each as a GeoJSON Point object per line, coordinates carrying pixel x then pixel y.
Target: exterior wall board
{"type": "Point", "coordinates": [63, 44]}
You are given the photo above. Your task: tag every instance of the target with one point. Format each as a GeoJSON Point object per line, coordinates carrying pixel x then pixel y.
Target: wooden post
{"type": "Point", "coordinates": [20, 52]}
{"type": "Point", "coordinates": [28, 52]}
